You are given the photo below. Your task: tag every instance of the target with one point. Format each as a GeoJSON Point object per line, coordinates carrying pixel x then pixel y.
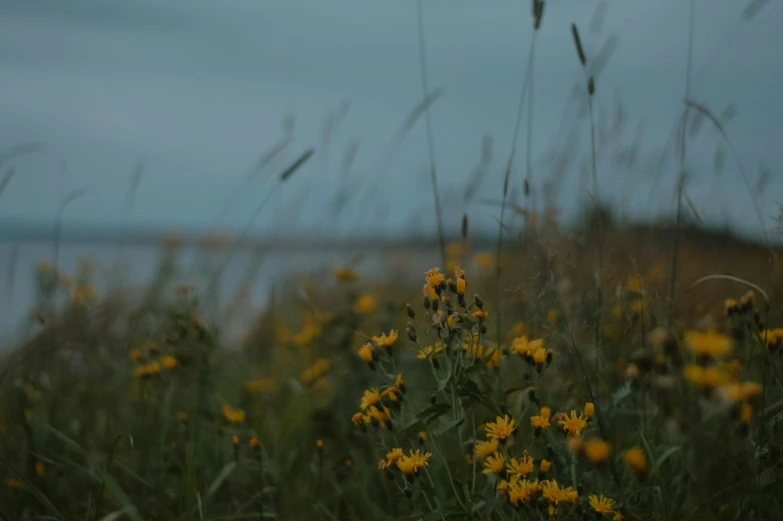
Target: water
{"type": "Point", "coordinates": [134, 266]}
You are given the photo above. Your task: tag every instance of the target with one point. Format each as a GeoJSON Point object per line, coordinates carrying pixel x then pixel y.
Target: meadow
{"type": "Point", "coordinates": [595, 370]}
{"type": "Point", "coordinates": [497, 388]}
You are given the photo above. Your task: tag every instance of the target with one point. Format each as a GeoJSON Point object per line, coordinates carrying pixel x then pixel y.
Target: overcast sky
{"type": "Point", "coordinates": [199, 89]}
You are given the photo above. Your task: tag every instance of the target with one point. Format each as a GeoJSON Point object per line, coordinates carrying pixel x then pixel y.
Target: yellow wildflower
{"type": "Point", "coordinates": [369, 398]}
{"type": "Point", "coordinates": [636, 460]}
{"type": "Point", "coordinates": [366, 354]}
{"type": "Point", "coordinates": [501, 428]}
{"type": "Point", "coordinates": [486, 448]}
{"type": "Point", "coordinates": [136, 355]}
{"type": "Point", "coordinates": [169, 362]}
{"type": "Point", "coordinates": [521, 467]}
{"type": "Point", "coordinates": [394, 455]}
{"type": "Point", "coordinates": [573, 424]}
{"type": "Point", "coordinates": [555, 494]}
{"type": "Point", "coordinates": [494, 464]}
{"type": "Point", "coordinates": [386, 340]}
{"type": "Point", "coordinates": [364, 305]}
{"type": "Point", "coordinates": [539, 356]}
{"type": "Point", "coordinates": [589, 409]}
{"type": "Point", "coordinates": [709, 344]}
{"type": "Point", "coordinates": [345, 274]}
{"type": "Point", "coordinates": [596, 451]}
{"type": "Point", "coordinates": [746, 413]}
{"type": "Point", "coordinates": [40, 469]}
{"type": "Point", "coordinates": [521, 491]}
{"type": "Point", "coordinates": [601, 504]}
{"type": "Point", "coordinates": [233, 415]}
{"type": "Point", "coordinates": [544, 465]}
{"type": "Point", "coordinates": [553, 317]}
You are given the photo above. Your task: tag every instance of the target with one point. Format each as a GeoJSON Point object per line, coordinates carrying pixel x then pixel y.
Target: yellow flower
{"type": "Point", "coordinates": [345, 274]}
{"type": "Point", "coordinates": [430, 351]}
{"type": "Point", "coordinates": [136, 355]}
{"type": "Point", "coordinates": [40, 469]}
{"type": "Point", "coordinates": [573, 425]}
{"type": "Point", "coordinates": [319, 444]}
{"type": "Point", "coordinates": [553, 493]}
{"type": "Point", "coordinates": [772, 338]}
{"type": "Point", "coordinates": [394, 455]}
{"type": "Point", "coordinates": [501, 428]}
{"type": "Point", "coordinates": [486, 448]}
{"type": "Point", "coordinates": [493, 362]}
{"type": "Point", "coordinates": [544, 465]}
{"type": "Point", "coordinates": [709, 344]}
{"type": "Point", "coordinates": [539, 356]}
{"type": "Point", "coordinates": [140, 371]}
{"type": "Point", "coordinates": [737, 392]}
{"type": "Point", "coordinates": [521, 467]}
{"type": "Point", "coordinates": [746, 413]}
{"type": "Point", "coordinates": [589, 409]}
{"type": "Point", "coordinates": [369, 398]}
{"type": "Point", "coordinates": [233, 415]}
{"type": "Point", "coordinates": [364, 305]}
{"type": "Point", "coordinates": [413, 462]}
{"type": "Point", "coordinates": [461, 286]}
{"type": "Point", "coordinates": [494, 464]}
{"type": "Point", "coordinates": [706, 377]}
{"type": "Point", "coordinates": [169, 362]}
{"type": "Point", "coordinates": [502, 487]}
{"type": "Point", "coordinates": [597, 451]}
{"type": "Point", "coordinates": [546, 412]}
{"type": "Point", "coordinates": [259, 386]}
{"type": "Point", "coordinates": [255, 443]}
{"type": "Point", "coordinates": [386, 341]}
{"type": "Point", "coordinates": [480, 314]}
{"type": "Point", "coordinates": [617, 517]}
{"type": "Point", "coordinates": [13, 483]}
{"type": "Point", "coordinates": [522, 491]}
{"type": "Point", "coordinates": [391, 393]}
{"type": "Point", "coordinates": [407, 466]}
{"type": "Point", "coordinates": [524, 347]}
{"type": "Point", "coordinates": [636, 459]}
{"type": "Point", "coordinates": [553, 317]}
{"type": "Point", "coordinates": [399, 383]}
{"type": "Point", "coordinates": [601, 504]}
{"type": "Point", "coordinates": [434, 278]}
{"type": "Point", "coordinates": [153, 368]}
{"type": "Point", "coordinates": [366, 354]}
{"type": "Point", "coordinates": [357, 419]}
{"type": "Point", "coordinates": [419, 459]}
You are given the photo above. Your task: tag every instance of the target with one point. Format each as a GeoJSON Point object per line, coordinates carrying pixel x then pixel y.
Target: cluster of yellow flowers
{"type": "Point", "coordinates": [316, 371]}
{"type": "Point", "coordinates": [153, 368]}
{"type": "Point", "coordinates": [375, 405]}
{"type": "Point", "coordinates": [232, 415]}
{"type": "Point", "coordinates": [408, 464]}
{"type": "Point", "coordinates": [369, 352]}
{"type": "Point", "coordinates": [532, 350]}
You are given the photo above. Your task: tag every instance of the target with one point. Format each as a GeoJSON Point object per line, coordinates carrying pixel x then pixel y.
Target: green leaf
{"type": "Point", "coordinates": [221, 477]}
{"type": "Point", "coordinates": [448, 426]}
{"type": "Point", "coordinates": [668, 452]}
{"type": "Point", "coordinates": [434, 411]}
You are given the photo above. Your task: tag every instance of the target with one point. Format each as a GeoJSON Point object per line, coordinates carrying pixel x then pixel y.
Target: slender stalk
{"type": "Point", "coordinates": [683, 156]}
{"type": "Point", "coordinates": [507, 176]}
{"type": "Point", "coordinates": [428, 127]}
